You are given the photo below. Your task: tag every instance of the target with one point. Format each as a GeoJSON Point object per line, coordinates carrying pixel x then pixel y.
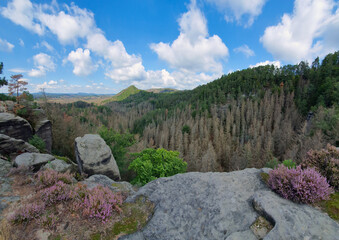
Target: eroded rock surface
{"type": "Point", "coordinates": [35, 160]}
{"type": "Point", "coordinates": [10, 146]}
{"type": "Point", "coordinates": [15, 127]}
{"type": "Point", "coordinates": [103, 180]}
{"type": "Point", "coordinates": [59, 166]}
{"type": "Point", "coordinates": [95, 157]}
{"type": "Point", "coordinates": [221, 206]}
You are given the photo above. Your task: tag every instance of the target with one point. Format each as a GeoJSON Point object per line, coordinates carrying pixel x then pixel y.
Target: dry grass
{"type": "Point", "coordinates": [5, 233]}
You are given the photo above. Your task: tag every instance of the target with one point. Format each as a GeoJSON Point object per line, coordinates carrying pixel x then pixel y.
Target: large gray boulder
{"type": "Point", "coordinates": [105, 181]}
{"type": "Point", "coordinates": [9, 146]}
{"type": "Point", "coordinates": [95, 157]}
{"type": "Point", "coordinates": [35, 160]}
{"type": "Point", "coordinates": [15, 127]}
{"type": "Point", "coordinates": [224, 206]}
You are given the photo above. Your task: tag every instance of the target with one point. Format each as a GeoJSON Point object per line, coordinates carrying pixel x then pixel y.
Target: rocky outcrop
{"type": "Point", "coordinates": [95, 157]}
{"type": "Point", "coordinates": [103, 180]}
{"type": "Point", "coordinates": [6, 195]}
{"type": "Point", "coordinates": [35, 160]}
{"type": "Point", "coordinates": [43, 129]}
{"type": "Point", "coordinates": [224, 206]}
{"type": "Point", "coordinates": [59, 166]}
{"type": "Point", "coordinates": [9, 146]}
{"type": "Point", "coordinates": [15, 127]}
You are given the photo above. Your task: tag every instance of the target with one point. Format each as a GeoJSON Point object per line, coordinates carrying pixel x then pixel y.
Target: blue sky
{"type": "Point", "coordinates": [105, 46]}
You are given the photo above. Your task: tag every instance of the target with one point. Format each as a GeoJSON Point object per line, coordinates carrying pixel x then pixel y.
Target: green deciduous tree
{"type": "Point", "coordinates": [151, 164]}
{"type": "Point", "coordinates": [3, 80]}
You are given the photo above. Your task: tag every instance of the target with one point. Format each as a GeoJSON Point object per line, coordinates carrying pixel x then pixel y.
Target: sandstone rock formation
{"type": "Point", "coordinates": [224, 206]}
{"type": "Point", "coordinates": [35, 160]}
{"type": "Point", "coordinates": [9, 146]}
{"type": "Point", "coordinates": [43, 129]}
{"type": "Point", "coordinates": [15, 126]}
{"type": "Point", "coordinates": [103, 180]}
{"type": "Point", "coordinates": [59, 166]}
{"type": "Point", "coordinates": [95, 157]}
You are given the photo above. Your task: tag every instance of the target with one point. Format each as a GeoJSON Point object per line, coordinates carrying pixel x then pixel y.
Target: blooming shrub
{"type": "Point", "coordinates": [49, 177]}
{"type": "Point", "coordinates": [48, 221]}
{"type": "Point", "coordinates": [99, 202]}
{"type": "Point", "coordinates": [21, 169]}
{"type": "Point", "coordinates": [325, 161]}
{"type": "Point", "coordinates": [298, 185]}
{"type": "Point", "coordinates": [27, 212]}
{"type": "Point", "coordinates": [56, 193]}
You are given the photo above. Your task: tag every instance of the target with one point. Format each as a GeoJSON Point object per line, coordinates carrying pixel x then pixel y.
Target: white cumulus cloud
{"type": "Point", "coordinates": [277, 64]}
{"type": "Point", "coordinates": [244, 49]}
{"type": "Point", "coordinates": [82, 62]}
{"type": "Point", "coordinates": [311, 30]}
{"type": "Point", "coordinates": [239, 9]}
{"type": "Point", "coordinates": [23, 13]}
{"type": "Point", "coordinates": [43, 63]}
{"type": "Point", "coordinates": [5, 46]}
{"type": "Point", "coordinates": [193, 50]}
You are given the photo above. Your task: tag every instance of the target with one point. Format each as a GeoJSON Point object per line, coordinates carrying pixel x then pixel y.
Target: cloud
{"type": "Point", "coordinates": [124, 66]}
{"type": "Point", "coordinates": [193, 50]}
{"type": "Point", "coordinates": [310, 31]}
{"type": "Point", "coordinates": [70, 25]}
{"type": "Point", "coordinates": [275, 63]}
{"type": "Point", "coordinates": [21, 42]}
{"type": "Point", "coordinates": [82, 62]}
{"type": "Point", "coordinates": [17, 70]}
{"type": "Point", "coordinates": [23, 13]}
{"type": "Point", "coordinates": [245, 50]}
{"type": "Point", "coordinates": [240, 9]}
{"type": "Point", "coordinates": [43, 64]}
{"type": "Point", "coordinates": [5, 46]}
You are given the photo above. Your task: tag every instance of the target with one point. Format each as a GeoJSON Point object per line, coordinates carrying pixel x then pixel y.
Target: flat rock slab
{"type": "Point", "coordinates": [59, 166]}
{"type": "Point", "coordinates": [103, 180]}
{"type": "Point", "coordinates": [220, 206]}
{"type": "Point", "coordinates": [35, 160]}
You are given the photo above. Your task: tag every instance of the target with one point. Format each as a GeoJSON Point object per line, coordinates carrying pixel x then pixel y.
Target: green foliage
{"type": "Point", "coordinates": [131, 90]}
{"type": "Point", "coordinates": [3, 80]}
{"type": "Point", "coordinates": [272, 163]}
{"type": "Point", "coordinates": [331, 206]}
{"type": "Point", "coordinates": [186, 129]}
{"type": "Point", "coordinates": [151, 164]}
{"type": "Point", "coordinates": [37, 142]}
{"type": "Point", "coordinates": [4, 97]}
{"type": "Point", "coordinates": [118, 144]}
{"type": "Point", "coordinates": [289, 163]}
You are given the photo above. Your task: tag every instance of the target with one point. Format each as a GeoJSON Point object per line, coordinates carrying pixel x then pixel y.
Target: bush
{"type": "Point", "coordinates": [37, 142]}
{"type": "Point", "coordinates": [151, 164]}
{"type": "Point", "coordinates": [99, 202]}
{"type": "Point", "coordinates": [289, 163]}
{"type": "Point", "coordinates": [298, 185]}
{"type": "Point", "coordinates": [325, 161]}
{"type": "Point", "coordinates": [49, 177]}
{"type": "Point", "coordinates": [272, 163]}
{"type": "Point", "coordinates": [27, 212]}
{"type": "Point", "coordinates": [59, 192]}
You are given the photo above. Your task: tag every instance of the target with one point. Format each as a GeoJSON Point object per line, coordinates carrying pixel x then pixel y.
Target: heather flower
{"type": "Point", "coordinates": [99, 202]}
{"type": "Point", "coordinates": [326, 162]}
{"type": "Point", "coordinates": [27, 212]}
{"type": "Point", "coordinates": [59, 192]}
{"type": "Point", "coordinates": [298, 185]}
{"type": "Point", "coordinates": [49, 177]}
{"type": "Point", "coordinates": [48, 221]}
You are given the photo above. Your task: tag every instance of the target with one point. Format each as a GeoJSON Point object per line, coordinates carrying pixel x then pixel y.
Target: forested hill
{"type": "Point", "coordinates": [315, 85]}
{"type": "Point", "coordinates": [244, 119]}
